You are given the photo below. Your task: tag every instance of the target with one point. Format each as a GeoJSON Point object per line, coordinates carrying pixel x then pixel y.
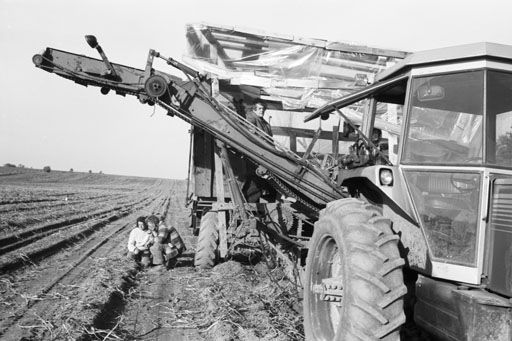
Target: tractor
{"type": "Point", "coordinates": [408, 222]}
{"type": "Point", "coordinates": [444, 189]}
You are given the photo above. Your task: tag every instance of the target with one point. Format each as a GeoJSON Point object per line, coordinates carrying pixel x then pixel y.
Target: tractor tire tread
{"type": "Point", "coordinates": [372, 262]}
{"type": "Point", "coordinates": [207, 242]}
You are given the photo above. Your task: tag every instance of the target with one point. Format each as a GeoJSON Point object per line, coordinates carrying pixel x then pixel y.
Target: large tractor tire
{"type": "Point", "coordinates": [354, 286]}
{"type": "Point", "coordinates": [207, 251]}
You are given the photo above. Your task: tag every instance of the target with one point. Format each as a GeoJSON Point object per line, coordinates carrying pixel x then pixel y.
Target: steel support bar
{"type": "Point", "coordinates": [219, 188]}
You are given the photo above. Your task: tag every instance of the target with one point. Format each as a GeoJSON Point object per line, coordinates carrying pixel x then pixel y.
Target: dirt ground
{"type": "Point", "coordinates": [64, 272]}
{"type": "Point", "coordinates": [66, 276]}
{"type": "Point", "coordinates": [229, 302]}
{"type": "Point", "coordinates": [232, 301]}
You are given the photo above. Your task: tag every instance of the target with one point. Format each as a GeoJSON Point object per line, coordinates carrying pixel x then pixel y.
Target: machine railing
{"type": "Point", "coordinates": [191, 100]}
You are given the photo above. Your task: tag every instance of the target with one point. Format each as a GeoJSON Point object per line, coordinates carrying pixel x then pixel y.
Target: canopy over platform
{"type": "Point", "coordinates": [289, 72]}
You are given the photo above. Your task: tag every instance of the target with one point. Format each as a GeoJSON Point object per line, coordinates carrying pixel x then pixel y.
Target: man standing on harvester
{"type": "Point", "coordinates": [256, 116]}
{"type": "Point", "coordinates": [255, 187]}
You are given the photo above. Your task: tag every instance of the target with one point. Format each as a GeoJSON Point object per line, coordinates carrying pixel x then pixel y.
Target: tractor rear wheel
{"type": "Point", "coordinates": [354, 284]}
{"type": "Point", "coordinates": [207, 252]}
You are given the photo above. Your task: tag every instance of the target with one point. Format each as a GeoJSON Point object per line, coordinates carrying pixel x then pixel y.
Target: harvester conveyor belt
{"type": "Point", "coordinates": [191, 100]}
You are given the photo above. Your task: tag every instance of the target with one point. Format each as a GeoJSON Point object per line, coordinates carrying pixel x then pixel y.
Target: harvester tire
{"type": "Point", "coordinates": [207, 251]}
{"type": "Point", "coordinates": [354, 287]}
{"type": "Point", "coordinates": [156, 86]}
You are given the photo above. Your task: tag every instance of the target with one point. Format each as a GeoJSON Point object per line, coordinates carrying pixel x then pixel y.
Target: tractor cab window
{"type": "Point", "coordinates": [388, 118]}
{"type": "Point", "coordinates": [499, 118]}
{"type": "Point", "coordinates": [445, 127]}
{"type": "Point", "coordinates": [446, 120]}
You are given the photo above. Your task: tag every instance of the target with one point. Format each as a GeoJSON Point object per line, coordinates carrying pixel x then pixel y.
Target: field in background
{"type": "Point", "coordinates": [64, 274]}
{"type": "Point", "coordinates": [63, 242]}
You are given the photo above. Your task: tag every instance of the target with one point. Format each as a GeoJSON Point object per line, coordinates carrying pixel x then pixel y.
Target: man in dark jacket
{"type": "Point", "coordinates": [256, 116]}
{"type": "Point", "coordinates": [254, 186]}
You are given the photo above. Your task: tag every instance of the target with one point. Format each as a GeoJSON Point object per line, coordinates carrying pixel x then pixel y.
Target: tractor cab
{"type": "Point", "coordinates": [444, 181]}
{"type": "Point", "coordinates": [447, 169]}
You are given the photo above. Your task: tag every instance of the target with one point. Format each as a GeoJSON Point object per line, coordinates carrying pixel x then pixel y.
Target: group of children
{"type": "Point", "coordinates": [151, 242]}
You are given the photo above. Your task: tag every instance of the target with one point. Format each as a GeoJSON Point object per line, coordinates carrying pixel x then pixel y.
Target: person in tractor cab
{"type": "Point", "coordinates": [168, 244]}
{"type": "Point", "coordinates": [256, 116]}
{"type": "Point", "coordinates": [139, 242]}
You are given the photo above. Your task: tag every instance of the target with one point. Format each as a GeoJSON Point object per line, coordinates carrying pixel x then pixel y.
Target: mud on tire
{"type": "Point", "coordinates": [354, 285]}
{"type": "Point", "coordinates": [207, 251]}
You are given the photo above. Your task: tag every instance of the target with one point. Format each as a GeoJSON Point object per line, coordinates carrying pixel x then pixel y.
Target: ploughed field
{"type": "Point", "coordinates": [64, 274]}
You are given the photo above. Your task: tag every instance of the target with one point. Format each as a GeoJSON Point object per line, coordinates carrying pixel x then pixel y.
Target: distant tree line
{"type": "Point", "coordinates": [46, 169]}
{"type": "Point", "coordinates": [13, 165]}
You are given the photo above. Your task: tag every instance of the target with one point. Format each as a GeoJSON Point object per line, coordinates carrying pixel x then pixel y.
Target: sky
{"type": "Point", "coordinates": [46, 120]}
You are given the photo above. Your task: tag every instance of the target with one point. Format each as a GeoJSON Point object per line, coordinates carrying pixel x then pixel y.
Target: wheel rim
{"type": "Point", "coordinates": [156, 86]}
{"type": "Point", "coordinates": [326, 289]}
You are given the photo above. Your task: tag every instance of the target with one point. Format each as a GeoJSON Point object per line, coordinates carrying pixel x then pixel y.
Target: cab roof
{"type": "Point", "coordinates": [482, 50]}
{"type": "Point", "coordinates": [399, 71]}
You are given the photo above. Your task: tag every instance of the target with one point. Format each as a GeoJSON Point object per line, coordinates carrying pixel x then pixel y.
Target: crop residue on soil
{"type": "Point", "coordinates": [65, 274]}
{"type": "Point", "coordinates": [229, 302]}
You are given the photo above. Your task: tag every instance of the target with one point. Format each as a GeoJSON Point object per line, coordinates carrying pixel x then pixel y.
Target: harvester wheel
{"type": "Point", "coordinates": [207, 252]}
{"type": "Point", "coordinates": [155, 86]}
{"type": "Point", "coordinates": [354, 285]}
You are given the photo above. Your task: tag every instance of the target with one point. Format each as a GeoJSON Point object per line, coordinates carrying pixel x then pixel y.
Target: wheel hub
{"type": "Point", "coordinates": [156, 86]}
{"type": "Point", "coordinates": [329, 290]}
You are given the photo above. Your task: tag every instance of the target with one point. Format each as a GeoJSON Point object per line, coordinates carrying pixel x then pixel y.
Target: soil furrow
{"type": "Point", "coordinates": [37, 255]}
{"type": "Point", "coordinates": [24, 237]}
{"type": "Point", "coordinates": [76, 275]}
{"type": "Point", "coordinates": [31, 206]}
{"type": "Point", "coordinates": [87, 289]}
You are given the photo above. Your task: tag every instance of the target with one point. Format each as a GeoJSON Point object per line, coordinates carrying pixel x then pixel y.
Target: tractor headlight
{"type": "Point", "coordinates": [386, 177]}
